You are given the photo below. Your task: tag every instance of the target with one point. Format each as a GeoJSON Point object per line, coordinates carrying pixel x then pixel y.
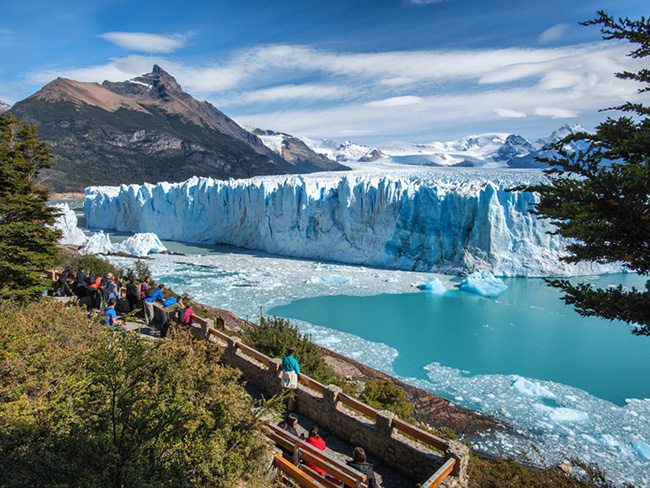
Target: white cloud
{"type": "Point", "coordinates": [144, 42]}
{"type": "Point", "coordinates": [553, 34]}
{"type": "Point", "coordinates": [507, 113]}
{"type": "Point", "coordinates": [555, 113]}
{"type": "Point", "coordinates": [313, 92]}
{"type": "Point", "coordinates": [395, 102]}
{"type": "Point", "coordinates": [319, 93]}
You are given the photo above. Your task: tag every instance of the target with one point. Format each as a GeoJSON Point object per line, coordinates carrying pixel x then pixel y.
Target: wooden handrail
{"type": "Point", "coordinates": [360, 407]}
{"type": "Point", "coordinates": [311, 383]}
{"type": "Point", "coordinates": [262, 358]}
{"type": "Point", "coordinates": [437, 477]}
{"type": "Point", "coordinates": [295, 473]}
{"type": "Point", "coordinates": [420, 434]}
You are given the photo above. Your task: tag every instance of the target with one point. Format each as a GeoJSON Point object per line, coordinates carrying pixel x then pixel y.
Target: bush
{"type": "Point", "coordinates": [384, 395]}
{"type": "Point", "coordinates": [94, 265]}
{"type": "Point", "coordinates": [274, 335]}
{"type": "Point", "coordinates": [81, 406]}
{"type": "Point", "coordinates": [509, 473]}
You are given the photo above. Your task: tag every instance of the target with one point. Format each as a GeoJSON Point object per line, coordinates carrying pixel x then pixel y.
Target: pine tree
{"type": "Point", "coordinates": [599, 195]}
{"type": "Point", "coordinates": [27, 244]}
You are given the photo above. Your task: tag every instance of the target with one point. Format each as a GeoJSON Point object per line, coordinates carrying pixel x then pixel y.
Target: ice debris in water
{"type": "Point", "coordinates": [98, 243]}
{"type": "Point", "coordinates": [434, 286]}
{"type": "Point", "coordinates": [483, 283]}
{"type": "Point", "coordinates": [642, 449]}
{"type": "Point", "coordinates": [562, 414]}
{"type": "Point", "coordinates": [525, 387]}
{"type": "Point", "coordinates": [66, 222]}
{"type": "Point", "coordinates": [141, 244]}
{"type": "Point", "coordinates": [329, 279]}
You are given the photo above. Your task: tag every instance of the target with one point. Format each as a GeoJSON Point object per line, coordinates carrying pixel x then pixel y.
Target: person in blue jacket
{"type": "Point", "coordinates": [290, 372]}
{"type": "Point", "coordinates": [148, 303]}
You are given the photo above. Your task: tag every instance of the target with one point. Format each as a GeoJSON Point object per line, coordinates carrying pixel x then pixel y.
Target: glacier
{"type": "Point", "coordinates": [441, 221]}
{"type": "Point", "coordinates": [67, 223]}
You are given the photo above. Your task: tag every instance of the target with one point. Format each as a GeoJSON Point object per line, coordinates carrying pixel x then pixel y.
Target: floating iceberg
{"type": "Point", "coordinates": [98, 243]}
{"type": "Point", "coordinates": [445, 222]}
{"type": "Point", "coordinates": [141, 244]}
{"type": "Point", "coordinates": [483, 283]}
{"type": "Point", "coordinates": [525, 387]}
{"type": "Point", "coordinates": [612, 443]}
{"type": "Point", "coordinates": [67, 224]}
{"type": "Point", "coordinates": [642, 449]}
{"type": "Point", "coordinates": [562, 414]}
{"type": "Point", "coordinates": [434, 286]}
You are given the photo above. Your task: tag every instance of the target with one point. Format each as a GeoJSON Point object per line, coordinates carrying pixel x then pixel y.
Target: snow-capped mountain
{"type": "Point", "coordinates": [491, 150]}
{"type": "Point", "coordinates": [4, 107]}
{"type": "Point", "coordinates": [295, 151]}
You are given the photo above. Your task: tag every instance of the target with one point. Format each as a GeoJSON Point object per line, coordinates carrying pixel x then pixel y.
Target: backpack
{"type": "Point", "coordinates": [150, 291]}
{"type": "Point", "coordinates": [104, 288]}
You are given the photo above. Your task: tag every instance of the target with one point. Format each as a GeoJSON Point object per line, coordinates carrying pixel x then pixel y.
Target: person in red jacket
{"type": "Point", "coordinates": [317, 441]}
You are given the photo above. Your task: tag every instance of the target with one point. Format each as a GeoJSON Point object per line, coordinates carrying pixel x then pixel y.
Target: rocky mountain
{"type": "Point", "coordinates": [143, 130]}
{"type": "Point", "coordinates": [296, 152]}
{"type": "Point", "coordinates": [4, 107]}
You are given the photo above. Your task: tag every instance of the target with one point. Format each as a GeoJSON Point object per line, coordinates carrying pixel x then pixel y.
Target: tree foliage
{"type": "Point", "coordinates": [82, 406]}
{"type": "Point", "coordinates": [384, 395]}
{"type": "Point", "coordinates": [599, 194]}
{"type": "Point", "coordinates": [27, 244]}
{"type": "Point", "coordinates": [274, 335]}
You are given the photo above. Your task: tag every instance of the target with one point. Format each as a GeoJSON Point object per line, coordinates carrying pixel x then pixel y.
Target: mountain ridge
{"type": "Point", "coordinates": [146, 129]}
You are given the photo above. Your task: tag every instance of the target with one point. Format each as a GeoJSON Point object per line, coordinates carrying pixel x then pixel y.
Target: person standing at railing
{"type": "Point", "coordinates": [148, 302]}
{"type": "Point", "coordinates": [290, 372]}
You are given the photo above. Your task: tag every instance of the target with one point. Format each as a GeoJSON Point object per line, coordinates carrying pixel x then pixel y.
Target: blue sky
{"type": "Point", "coordinates": [369, 71]}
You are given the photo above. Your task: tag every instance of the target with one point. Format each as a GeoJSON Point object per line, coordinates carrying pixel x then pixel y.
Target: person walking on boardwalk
{"type": "Point", "coordinates": [290, 372]}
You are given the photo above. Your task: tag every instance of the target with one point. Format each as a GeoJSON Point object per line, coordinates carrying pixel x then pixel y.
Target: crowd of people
{"type": "Point", "coordinates": [103, 293]}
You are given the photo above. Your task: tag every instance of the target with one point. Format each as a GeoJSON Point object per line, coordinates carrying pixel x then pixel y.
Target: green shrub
{"type": "Point", "coordinates": [384, 395]}
{"type": "Point", "coordinates": [82, 406]}
{"type": "Point", "coordinates": [509, 473]}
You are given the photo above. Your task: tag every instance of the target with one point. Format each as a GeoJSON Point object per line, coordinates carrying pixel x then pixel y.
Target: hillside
{"type": "Point", "coordinates": [144, 130]}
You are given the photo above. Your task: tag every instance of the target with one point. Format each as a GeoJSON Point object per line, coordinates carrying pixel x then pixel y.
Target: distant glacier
{"type": "Point", "coordinates": [441, 221]}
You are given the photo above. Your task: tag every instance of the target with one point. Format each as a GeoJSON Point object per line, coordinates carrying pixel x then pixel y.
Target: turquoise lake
{"type": "Point", "coordinates": [527, 331]}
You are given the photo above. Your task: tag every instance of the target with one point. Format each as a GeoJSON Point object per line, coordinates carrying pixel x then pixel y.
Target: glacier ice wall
{"type": "Point", "coordinates": [440, 222]}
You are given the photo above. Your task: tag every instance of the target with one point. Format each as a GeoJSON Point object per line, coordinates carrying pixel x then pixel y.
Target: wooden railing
{"type": "Point", "coordinates": [437, 477]}
{"type": "Point", "coordinates": [365, 410]}
{"type": "Point", "coordinates": [305, 452]}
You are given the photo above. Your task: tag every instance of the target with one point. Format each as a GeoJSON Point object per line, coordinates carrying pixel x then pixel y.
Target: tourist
{"type": "Point", "coordinates": [170, 305]}
{"type": "Point", "coordinates": [187, 314]}
{"type": "Point", "coordinates": [290, 423]}
{"type": "Point", "coordinates": [95, 294]}
{"type": "Point", "coordinates": [290, 372]}
{"type": "Point", "coordinates": [111, 315]}
{"type": "Point", "coordinates": [315, 440]}
{"type": "Point", "coordinates": [113, 289]}
{"type": "Point", "coordinates": [81, 285]}
{"type": "Point", "coordinates": [64, 288]}
{"type": "Point", "coordinates": [132, 294]}
{"type": "Point", "coordinates": [360, 463]}
{"type": "Point", "coordinates": [148, 301]}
